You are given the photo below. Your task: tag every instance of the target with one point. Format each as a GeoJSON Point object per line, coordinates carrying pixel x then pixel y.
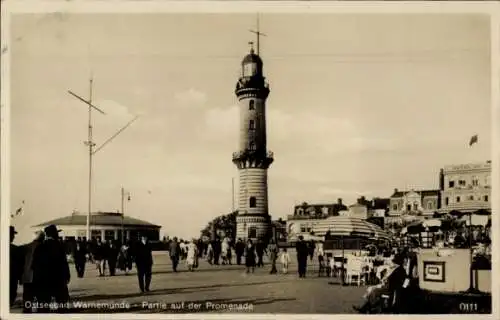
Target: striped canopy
{"type": "Point", "coordinates": [349, 226]}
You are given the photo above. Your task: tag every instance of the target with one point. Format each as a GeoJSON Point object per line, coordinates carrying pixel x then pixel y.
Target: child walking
{"type": "Point", "coordinates": [285, 260]}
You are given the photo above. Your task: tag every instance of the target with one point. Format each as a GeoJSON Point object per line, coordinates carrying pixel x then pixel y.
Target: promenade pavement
{"type": "Point", "coordinates": [210, 289]}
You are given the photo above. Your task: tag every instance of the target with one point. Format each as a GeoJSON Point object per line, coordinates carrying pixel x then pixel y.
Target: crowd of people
{"type": "Point", "coordinates": [42, 266]}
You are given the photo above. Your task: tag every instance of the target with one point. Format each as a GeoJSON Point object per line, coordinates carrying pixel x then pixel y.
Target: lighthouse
{"type": "Point", "coordinates": [252, 159]}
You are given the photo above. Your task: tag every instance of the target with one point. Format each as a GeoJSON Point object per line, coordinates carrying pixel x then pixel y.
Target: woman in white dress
{"type": "Point", "coordinates": [192, 253]}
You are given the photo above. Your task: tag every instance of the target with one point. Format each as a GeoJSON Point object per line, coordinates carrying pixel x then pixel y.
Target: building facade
{"type": "Point", "coordinates": [252, 159]}
{"type": "Point", "coordinates": [365, 209]}
{"type": "Point", "coordinates": [104, 226]}
{"type": "Point", "coordinates": [412, 205]}
{"type": "Point", "coordinates": [466, 187]}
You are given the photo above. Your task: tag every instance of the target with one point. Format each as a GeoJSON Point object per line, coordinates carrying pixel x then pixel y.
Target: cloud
{"type": "Point", "coordinates": [221, 122]}
{"type": "Point", "coordinates": [300, 132]}
{"type": "Point", "coordinates": [191, 97]}
{"type": "Point", "coordinates": [333, 191]}
{"type": "Point", "coordinates": [114, 109]}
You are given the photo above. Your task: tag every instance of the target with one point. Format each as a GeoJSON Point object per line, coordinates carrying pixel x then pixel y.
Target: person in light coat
{"type": "Point", "coordinates": [285, 260]}
{"type": "Point", "coordinates": [192, 255]}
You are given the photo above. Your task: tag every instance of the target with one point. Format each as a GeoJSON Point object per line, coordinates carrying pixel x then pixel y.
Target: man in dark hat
{"type": "Point", "coordinates": [16, 265]}
{"type": "Point", "coordinates": [174, 252]}
{"type": "Point", "coordinates": [144, 263]}
{"type": "Point", "coordinates": [391, 285]}
{"type": "Point", "coordinates": [302, 253]}
{"type": "Point", "coordinates": [240, 250]}
{"type": "Point", "coordinates": [51, 270]}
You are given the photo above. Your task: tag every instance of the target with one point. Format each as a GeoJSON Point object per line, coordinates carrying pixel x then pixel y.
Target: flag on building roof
{"type": "Point", "coordinates": [19, 211]}
{"type": "Point", "coordinates": [473, 139]}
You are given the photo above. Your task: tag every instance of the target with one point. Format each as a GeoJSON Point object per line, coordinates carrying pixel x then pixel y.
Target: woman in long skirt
{"type": "Point", "coordinates": [210, 253]}
{"type": "Point", "coordinates": [250, 256]}
{"type": "Point", "coordinates": [192, 253]}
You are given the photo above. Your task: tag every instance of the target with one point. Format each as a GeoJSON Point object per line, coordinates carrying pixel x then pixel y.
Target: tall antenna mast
{"type": "Point", "coordinates": [258, 33]}
{"type": "Point", "coordinates": [90, 143]}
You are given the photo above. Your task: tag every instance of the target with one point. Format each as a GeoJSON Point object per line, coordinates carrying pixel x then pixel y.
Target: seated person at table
{"type": "Point", "coordinates": [391, 285]}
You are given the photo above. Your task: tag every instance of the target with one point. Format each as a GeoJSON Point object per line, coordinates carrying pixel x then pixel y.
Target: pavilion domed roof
{"type": "Point", "coordinates": [99, 219]}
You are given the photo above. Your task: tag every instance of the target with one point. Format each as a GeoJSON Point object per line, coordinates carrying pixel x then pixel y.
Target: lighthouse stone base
{"type": "Point", "coordinates": [253, 227]}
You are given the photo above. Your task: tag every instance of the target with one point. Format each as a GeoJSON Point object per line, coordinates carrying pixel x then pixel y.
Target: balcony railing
{"type": "Point", "coordinates": [252, 153]}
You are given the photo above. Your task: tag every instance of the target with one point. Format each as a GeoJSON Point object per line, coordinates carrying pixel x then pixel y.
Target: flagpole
{"type": "Point", "coordinates": [123, 214]}
{"type": "Point", "coordinates": [91, 153]}
{"type": "Point", "coordinates": [232, 193]}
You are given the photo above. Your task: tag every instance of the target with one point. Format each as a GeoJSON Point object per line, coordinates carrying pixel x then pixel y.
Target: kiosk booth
{"type": "Point", "coordinates": [446, 283]}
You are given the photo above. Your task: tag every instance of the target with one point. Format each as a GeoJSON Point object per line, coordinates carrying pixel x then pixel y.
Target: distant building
{"type": "Point", "coordinates": [306, 215]}
{"type": "Point", "coordinates": [279, 230]}
{"type": "Point", "coordinates": [104, 226]}
{"type": "Point", "coordinates": [364, 209]}
{"type": "Point", "coordinates": [465, 187]}
{"type": "Point", "coordinates": [412, 205]}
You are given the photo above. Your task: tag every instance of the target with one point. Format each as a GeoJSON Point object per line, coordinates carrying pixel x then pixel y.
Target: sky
{"type": "Point", "coordinates": [359, 105]}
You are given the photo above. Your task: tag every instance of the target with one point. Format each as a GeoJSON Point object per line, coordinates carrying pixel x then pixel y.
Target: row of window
{"type": "Point", "coordinates": [430, 206]}
{"type": "Point", "coordinates": [300, 211]}
{"type": "Point", "coordinates": [305, 228]}
{"type": "Point", "coordinates": [463, 183]}
{"type": "Point", "coordinates": [469, 198]}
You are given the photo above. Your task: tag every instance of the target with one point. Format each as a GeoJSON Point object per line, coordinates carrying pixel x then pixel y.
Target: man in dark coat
{"type": "Point", "coordinates": [311, 248]}
{"type": "Point", "coordinates": [174, 252]}
{"type": "Point", "coordinates": [144, 263]}
{"type": "Point", "coordinates": [80, 258]}
{"type": "Point", "coordinates": [302, 253]}
{"type": "Point", "coordinates": [240, 250]}
{"type": "Point", "coordinates": [112, 256]}
{"type": "Point", "coordinates": [199, 245]}
{"type": "Point", "coordinates": [16, 265]}
{"type": "Point", "coordinates": [217, 247]}
{"type": "Point", "coordinates": [260, 249]}
{"type": "Point", "coordinates": [99, 252]}
{"type": "Point", "coordinates": [273, 251]}
{"type": "Point", "coordinates": [51, 270]}
{"type": "Point", "coordinates": [27, 278]}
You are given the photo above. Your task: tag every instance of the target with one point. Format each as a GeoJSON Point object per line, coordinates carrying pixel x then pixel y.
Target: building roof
{"type": "Point", "coordinates": [99, 219]}
{"type": "Point", "coordinates": [424, 193]}
{"type": "Point", "coordinates": [333, 208]}
{"type": "Point", "coordinates": [380, 203]}
{"type": "Point", "coordinates": [252, 57]}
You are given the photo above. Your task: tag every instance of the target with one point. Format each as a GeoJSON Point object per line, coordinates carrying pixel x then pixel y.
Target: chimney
{"type": "Point", "coordinates": [441, 179]}
{"type": "Point", "coordinates": [395, 190]}
{"type": "Point", "coordinates": [339, 201]}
